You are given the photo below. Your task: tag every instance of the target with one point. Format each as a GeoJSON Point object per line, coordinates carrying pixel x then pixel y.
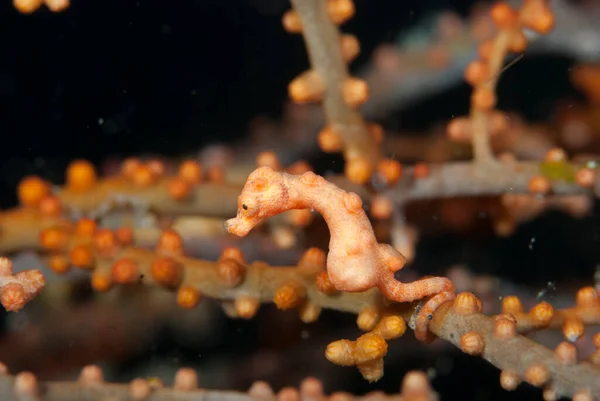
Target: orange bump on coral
{"type": "Point", "coordinates": [81, 175]}
{"type": "Point", "coordinates": [368, 318]}
{"type": "Point", "coordinates": [537, 374]}
{"type": "Point", "coordinates": [472, 343]}
{"type": "Point", "coordinates": [167, 272]}
{"type": "Point", "coordinates": [188, 297]}
{"type": "Point", "coordinates": [32, 190]}
{"type": "Point", "coordinates": [179, 189]}
{"type": "Point", "coordinates": [101, 282]}
{"type": "Point", "coordinates": [82, 256]}
{"type": "Point", "coordinates": [170, 243]}
{"type": "Point", "coordinates": [125, 271]}
{"type": "Point", "coordinates": [289, 295]}
{"type": "Point", "coordinates": [390, 171]}
{"type": "Point", "coordinates": [541, 314]}
{"type": "Point", "coordinates": [186, 379]}
{"type": "Point", "coordinates": [230, 271]}
{"type": "Point", "coordinates": [509, 380]}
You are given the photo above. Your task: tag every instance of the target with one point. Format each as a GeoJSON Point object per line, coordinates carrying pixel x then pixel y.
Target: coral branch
{"type": "Point", "coordinates": [91, 386]}
{"type": "Point", "coordinates": [516, 354]}
{"type": "Point", "coordinates": [323, 44]}
{"type": "Point", "coordinates": [467, 179]}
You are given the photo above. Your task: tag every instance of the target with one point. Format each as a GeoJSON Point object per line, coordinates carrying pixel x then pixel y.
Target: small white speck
{"type": "Point", "coordinates": [100, 121]}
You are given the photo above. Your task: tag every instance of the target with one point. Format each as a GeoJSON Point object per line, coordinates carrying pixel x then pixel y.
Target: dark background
{"type": "Point", "coordinates": [126, 77]}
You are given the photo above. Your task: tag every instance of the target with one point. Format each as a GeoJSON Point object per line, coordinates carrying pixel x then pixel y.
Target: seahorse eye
{"type": "Point", "coordinates": [245, 207]}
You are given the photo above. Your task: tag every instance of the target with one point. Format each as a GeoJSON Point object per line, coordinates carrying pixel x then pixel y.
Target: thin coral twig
{"type": "Point", "coordinates": [323, 44]}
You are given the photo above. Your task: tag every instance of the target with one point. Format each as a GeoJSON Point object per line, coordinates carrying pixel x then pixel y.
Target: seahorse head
{"type": "Point", "coordinates": [263, 196]}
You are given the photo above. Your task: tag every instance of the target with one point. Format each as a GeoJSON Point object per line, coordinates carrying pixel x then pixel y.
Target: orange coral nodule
{"type": "Point", "coordinates": [537, 16]}
{"type": "Point", "coordinates": [191, 172]}
{"type": "Point", "coordinates": [329, 141]}
{"type": "Point", "coordinates": [472, 343]}
{"type": "Point", "coordinates": [505, 327]}
{"type": "Point", "coordinates": [586, 177]}
{"type": "Point", "coordinates": [459, 129]}
{"type": "Point", "coordinates": [54, 239]}
{"type": "Point", "coordinates": [128, 167]}
{"type": "Point", "coordinates": [504, 16]}
{"type": "Point", "coordinates": [367, 318]}
{"type": "Point", "coordinates": [27, 6]}
{"type": "Point", "coordinates": [289, 295]}
{"type": "Point", "coordinates": [541, 314]}
{"type": "Point", "coordinates": [125, 271]}
{"type": "Point", "coordinates": [268, 158]}
{"type": "Point", "coordinates": [143, 176]}
{"type": "Point", "coordinates": [32, 190]}
{"type": "Point", "coordinates": [105, 241]}
{"type": "Point", "coordinates": [299, 167]}
{"type": "Point", "coordinates": [509, 381]}
{"type": "Point", "coordinates": [573, 329]}
{"type": "Point", "coordinates": [466, 303]}
{"type": "Point", "coordinates": [188, 297]}
{"type": "Point", "coordinates": [391, 327]}
{"type": "Point", "coordinates": [291, 22]}
{"type": "Point", "coordinates": [85, 227]}
{"type": "Point", "coordinates": [518, 42]}
{"type": "Point", "coordinates": [350, 47]}
{"type": "Point", "coordinates": [101, 282]}
{"type": "Point", "coordinates": [57, 5]}
{"type": "Point", "coordinates": [587, 297]}
{"type": "Point", "coordinates": [307, 87]}
{"type": "Point", "coordinates": [539, 185]}
{"type": "Point", "coordinates": [179, 189]}
{"type": "Point", "coordinates": [340, 11]}
{"type": "Point", "coordinates": [324, 284]}
{"type": "Point", "coordinates": [477, 72]}
{"type": "Point", "coordinates": [512, 304]}
{"type": "Point", "coordinates": [170, 242]}
{"type": "Point", "coordinates": [382, 207]}
{"type": "Point", "coordinates": [483, 98]}
{"type": "Point", "coordinates": [232, 252]}
{"type": "Point", "coordinates": [566, 353]}
{"type": "Point", "coordinates": [167, 272]}
{"type": "Point", "coordinates": [370, 347]}
{"type": "Point", "coordinates": [537, 374]}
{"type": "Point", "coordinates": [355, 92]}
{"type": "Point", "coordinates": [124, 235]}
{"type": "Point", "coordinates": [230, 272]}
{"type": "Point", "coordinates": [59, 264]}
{"type": "Point", "coordinates": [157, 167]}
{"type": "Point", "coordinates": [390, 171]}
{"type": "Point", "coordinates": [358, 170]}
{"type": "Point", "coordinates": [50, 206]}
{"type": "Point", "coordinates": [81, 175]}
{"type": "Point", "coordinates": [556, 155]}
{"type": "Point", "coordinates": [312, 261]}
{"type": "Point", "coordinates": [215, 174]}
{"type": "Point", "coordinates": [246, 306]}
{"type": "Point", "coordinates": [82, 256]}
